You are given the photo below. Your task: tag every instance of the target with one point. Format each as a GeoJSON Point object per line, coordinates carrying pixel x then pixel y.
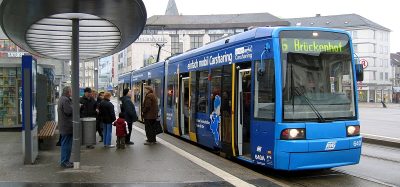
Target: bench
{"type": "Point", "coordinates": [48, 130]}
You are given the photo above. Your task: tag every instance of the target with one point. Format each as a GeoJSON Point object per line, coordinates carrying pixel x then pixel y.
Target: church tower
{"type": "Point", "coordinates": [171, 10]}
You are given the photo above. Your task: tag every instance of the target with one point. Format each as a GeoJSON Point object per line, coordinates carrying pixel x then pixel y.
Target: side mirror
{"type": "Point", "coordinates": [261, 67]}
{"type": "Point", "coordinates": [359, 72]}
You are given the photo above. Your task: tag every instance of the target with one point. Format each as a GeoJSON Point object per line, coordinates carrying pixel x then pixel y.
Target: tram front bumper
{"type": "Point", "coordinates": [317, 154]}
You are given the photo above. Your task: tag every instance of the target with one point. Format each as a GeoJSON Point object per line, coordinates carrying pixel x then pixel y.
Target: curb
{"type": "Point", "coordinates": [381, 140]}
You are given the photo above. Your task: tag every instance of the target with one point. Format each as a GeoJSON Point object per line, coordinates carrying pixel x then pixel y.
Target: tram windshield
{"type": "Point", "coordinates": [317, 78]}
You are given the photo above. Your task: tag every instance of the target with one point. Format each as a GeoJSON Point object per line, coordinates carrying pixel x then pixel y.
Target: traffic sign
{"type": "Point", "coordinates": [364, 63]}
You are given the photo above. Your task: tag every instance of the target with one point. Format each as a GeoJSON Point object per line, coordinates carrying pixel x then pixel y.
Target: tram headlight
{"type": "Point", "coordinates": [293, 134]}
{"type": "Point", "coordinates": [353, 130]}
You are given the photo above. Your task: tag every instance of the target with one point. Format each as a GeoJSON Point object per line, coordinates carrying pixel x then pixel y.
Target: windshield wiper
{"type": "Point", "coordinates": [298, 93]}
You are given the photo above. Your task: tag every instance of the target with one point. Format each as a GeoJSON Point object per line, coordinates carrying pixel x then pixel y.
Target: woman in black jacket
{"type": "Point", "coordinates": [107, 114]}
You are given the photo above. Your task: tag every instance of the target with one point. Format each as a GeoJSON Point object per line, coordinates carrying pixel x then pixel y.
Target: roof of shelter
{"type": "Point", "coordinates": [44, 27]}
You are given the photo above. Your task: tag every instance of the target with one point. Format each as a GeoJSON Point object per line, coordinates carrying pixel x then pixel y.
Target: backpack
{"type": "Point", "coordinates": [122, 108]}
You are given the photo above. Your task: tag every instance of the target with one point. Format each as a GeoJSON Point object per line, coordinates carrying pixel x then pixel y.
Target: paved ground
{"type": "Point", "coordinates": [380, 121]}
{"type": "Point", "coordinates": [138, 165]}
{"type": "Point", "coordinates": [162, 165]}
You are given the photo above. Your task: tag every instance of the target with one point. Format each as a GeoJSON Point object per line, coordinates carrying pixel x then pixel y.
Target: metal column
{"type": "Point", "coordinates": [75, 94]}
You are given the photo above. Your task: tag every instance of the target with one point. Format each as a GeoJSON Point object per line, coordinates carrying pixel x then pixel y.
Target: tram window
{"type": "Point", "coordinates": [202, 102]}
{"type": "Point", "coordinates": [193, 100]}
{"type": "Point", "coordinates": [170, 94]}
{"type": "Point", "coordinates": [264, 90]}
{"type": "Point", "coordinates": [156, 83]}
{"type": "Point", "coordinates": [226, 103]}
{"type": "Point", "coordinates": [215, 85]}
{"type": "Point", "coordinates": [136, 94]}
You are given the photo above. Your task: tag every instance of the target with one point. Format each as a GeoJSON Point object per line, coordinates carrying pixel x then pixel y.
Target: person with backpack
{"type": "Point", "coordinates": [128, 109]}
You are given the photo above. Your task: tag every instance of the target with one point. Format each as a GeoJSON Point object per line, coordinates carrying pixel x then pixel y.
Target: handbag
{"type": "Point", "coordinates": [157, 127]}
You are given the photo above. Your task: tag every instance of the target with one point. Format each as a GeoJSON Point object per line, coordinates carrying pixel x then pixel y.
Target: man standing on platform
{"type": "Point", "coordinates": [129, 111]}
{"type": "Point", "coordinates": [88, 107]}
{"type": "Point", "coordinates": [150, 114]}
{"type": "Point", "coordinates": [64, 110]}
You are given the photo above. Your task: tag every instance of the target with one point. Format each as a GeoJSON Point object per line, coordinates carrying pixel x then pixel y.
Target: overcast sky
{"type": "Point", "coordinates": [382, 12]}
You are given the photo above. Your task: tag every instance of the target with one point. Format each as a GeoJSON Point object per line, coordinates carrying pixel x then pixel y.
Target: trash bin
{"type": "Point", "coordinates": [88, 131]}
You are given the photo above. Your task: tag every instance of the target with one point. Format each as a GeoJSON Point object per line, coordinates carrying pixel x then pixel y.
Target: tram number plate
{"type": "Point", "coordinates": [330, 146]}
{"type": "Point", "coordinates": [357, 143]}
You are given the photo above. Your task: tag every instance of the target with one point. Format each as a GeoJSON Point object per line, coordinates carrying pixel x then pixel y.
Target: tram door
{"type": "Point", "coordinates": [244, 103]}
{"type": "Point", "coordinates": [185, 107]}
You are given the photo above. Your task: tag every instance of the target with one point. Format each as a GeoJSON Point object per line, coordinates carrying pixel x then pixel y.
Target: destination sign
{"type": "Point", "coordinates": [312, 45]}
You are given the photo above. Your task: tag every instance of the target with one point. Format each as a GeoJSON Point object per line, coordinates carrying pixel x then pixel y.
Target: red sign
{"type": "Point", "coordinates": [364, 63]}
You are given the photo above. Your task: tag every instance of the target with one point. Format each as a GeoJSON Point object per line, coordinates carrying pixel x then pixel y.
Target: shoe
{"type": "Point", "coordinates": [149, 143]}
{"type": "Point", "coordinates": [90, 147]}
{"type": "Point", "coordinates": [58, 144]}
{"type": "Point", "coordinates": [67, 165]}
{"type": "Point", "coordinates": [129, 143]}
{"type": "Point", "coordinates": [111, 146]}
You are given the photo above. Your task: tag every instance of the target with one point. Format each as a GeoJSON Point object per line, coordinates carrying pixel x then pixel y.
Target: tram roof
{"type": "Point", "coordinates": [149, 67]}
{"type": "Point", "coordinates": [260, 32]}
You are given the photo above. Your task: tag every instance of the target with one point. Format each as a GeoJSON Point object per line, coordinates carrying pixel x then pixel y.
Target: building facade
{"type": "Point", "coordinates": [371, 43]}
{"type": "Point", "coordinates": [395, 62]}
{"type": "Point", "coordinates": [173, 34]}
{"type": "Point", "coordinates": [86, 73]}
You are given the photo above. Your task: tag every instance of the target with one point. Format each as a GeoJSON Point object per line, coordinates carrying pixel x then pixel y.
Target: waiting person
{"type": "Point", "coordinates": [150, 114]}
{"type": "Point", "coordinates": [107, 114]}
{"type": "Point", "coordinates": [64, 110]}
{"type": "Point", "coordinates": [121, 130]}
{"type": "Point", "coordinates": [88, 104]}
{"type": "Point", "coordinates": [130, 113]}
{"type": "Point", "coordinates": [99, 125]}
{"type": "Point", "coordinates": [88, 107]}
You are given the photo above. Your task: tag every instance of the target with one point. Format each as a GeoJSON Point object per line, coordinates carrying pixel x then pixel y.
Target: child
{"type": "Point", "coordinates": [121, 130]}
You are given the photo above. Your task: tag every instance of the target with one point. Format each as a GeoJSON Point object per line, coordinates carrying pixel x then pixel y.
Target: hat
{"type": "Point", "coordinates": [87, 89]}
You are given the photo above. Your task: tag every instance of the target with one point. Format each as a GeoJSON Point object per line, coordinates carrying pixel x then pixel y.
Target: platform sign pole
{"type": "Point", "coordinates": [30, 145]}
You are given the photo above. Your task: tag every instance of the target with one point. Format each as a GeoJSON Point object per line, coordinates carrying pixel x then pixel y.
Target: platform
{"type": "Point", "coordinates": [171, 162]}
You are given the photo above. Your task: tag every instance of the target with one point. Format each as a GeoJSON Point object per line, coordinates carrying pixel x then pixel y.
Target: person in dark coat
{"type": "Point", "coordinates": [64, 110]}
{"type": "Point", "coordinates": [88, 104]}
{"type": "Point", "coordinates": [99, 125]}
{"type": "Point", "coordinates": [88, 107]}
{"type": "Point", "coordinates": [107, 114]}
{"type": "Point", "coordinates": [128, 108]}
{"type": "Point", "coordinates": [150, 114]}
{"type": "Point", "coordinates": [121, 131]}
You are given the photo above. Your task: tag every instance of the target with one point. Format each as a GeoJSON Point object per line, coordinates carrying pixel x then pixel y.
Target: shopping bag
{"type": "Point", "coordinates": [157, 127]}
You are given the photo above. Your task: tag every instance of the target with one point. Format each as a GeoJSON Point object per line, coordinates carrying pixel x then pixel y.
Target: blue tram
{"type": "Point", "coordinates": [284, 98]}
